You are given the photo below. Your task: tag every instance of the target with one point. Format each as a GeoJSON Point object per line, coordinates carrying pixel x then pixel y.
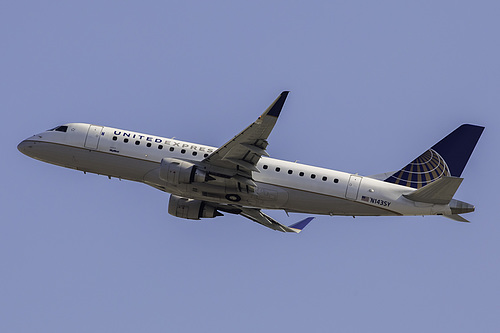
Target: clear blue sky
{"type": "Point", "coordinates": [373, 84]}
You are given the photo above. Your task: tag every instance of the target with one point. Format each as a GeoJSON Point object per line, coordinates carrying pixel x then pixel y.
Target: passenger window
{"type": "Point", "coordinates": [205, 155]}
{"type": "Point", "coordinates": [160, 147]}
{"type": "Point", "coordinates": [324, 179]}
{"type": "Point", "coordinates": [335, 180]}
{"type": "Point", "coordinates": [301, 174]}
{"type": "Point", "coordinates": [115, 138]}
{"type": "Point", "coordinates": [313, 176]}
{"type": "Point", "coordinates": [183, 151]}
{"type": "Point", "coordinates": [290, 172]}
{"type": "Point", "coordinates": [265, 167]}
{"type": "Point", "coordinates": [148, 144]}
{"type": "Point", "coordinates": [125, 140]}
{"type": "Point", "coordinates": [195, 153]}
{"type": "Point", "coordinates": [278, 169]}
{"type": "Point", "coordinates": [138, 142]}
{"type": "Point", "coordinates": [172, 149]}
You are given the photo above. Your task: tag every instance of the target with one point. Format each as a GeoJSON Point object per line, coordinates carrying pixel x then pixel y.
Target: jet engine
{"type": "Point", "coordinates": [190, 208]}
{"type": "Point", "coordinates": [178, 172]}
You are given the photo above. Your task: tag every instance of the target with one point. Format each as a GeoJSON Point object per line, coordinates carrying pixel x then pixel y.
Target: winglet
{"type": "Point", "coordinates": [274, 109]}
{"type": "Point", "coordinates": [297, 227]}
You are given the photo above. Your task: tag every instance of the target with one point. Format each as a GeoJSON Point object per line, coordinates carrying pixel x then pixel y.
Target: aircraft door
{"type": "Point", "coordinates": [353, 187]}
{"type": "Point", "coordinates": [93, 136]}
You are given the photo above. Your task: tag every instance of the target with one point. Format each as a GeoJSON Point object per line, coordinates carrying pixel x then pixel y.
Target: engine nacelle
{"type": "Point", "coordinates": [190, 208]}
{"type": "Point", "coordinates": [177, 172]}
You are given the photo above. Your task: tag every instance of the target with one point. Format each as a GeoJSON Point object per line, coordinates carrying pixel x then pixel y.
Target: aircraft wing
{"type": "Point", "coordinates": [258, 216]}
{"type": "Point", "coordinates": [243, 152]}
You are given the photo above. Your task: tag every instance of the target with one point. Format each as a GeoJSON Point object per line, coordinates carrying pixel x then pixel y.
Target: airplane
{"type": "Point", "coordinates": [239, 177]}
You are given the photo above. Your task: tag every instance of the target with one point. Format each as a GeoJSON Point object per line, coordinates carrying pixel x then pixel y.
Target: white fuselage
{"type": "Point", "coordinates": [289, 186]}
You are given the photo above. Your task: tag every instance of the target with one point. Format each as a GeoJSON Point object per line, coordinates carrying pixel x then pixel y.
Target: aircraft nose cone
{"type": "Point", "coordinates": [25, 147]}
{"type": "Point", "coordinates": [22, 146]}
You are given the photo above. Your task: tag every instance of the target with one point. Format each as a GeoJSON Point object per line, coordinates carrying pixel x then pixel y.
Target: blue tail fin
{"type": "Point", "coordinates": [448, 157]}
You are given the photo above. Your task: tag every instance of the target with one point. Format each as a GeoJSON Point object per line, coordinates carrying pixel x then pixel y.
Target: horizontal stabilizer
{"type": "Point", "coordinates": [456, 217]}
{"type": "Point", "coordinates": [439, 192]}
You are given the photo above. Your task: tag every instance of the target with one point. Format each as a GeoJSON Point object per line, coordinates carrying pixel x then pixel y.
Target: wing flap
{"type": "Point", "coordinates": [242, 164]}
{"type": "Point", "coordinates": [258, 216]}
{"type": "Point", "coordinates": [257, 150]}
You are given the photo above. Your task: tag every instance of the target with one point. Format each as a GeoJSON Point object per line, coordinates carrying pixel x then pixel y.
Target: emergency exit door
{"type": "Point", "coordinates": [93, 136]}
{"type": "Point", "coordinates": [353, 187]}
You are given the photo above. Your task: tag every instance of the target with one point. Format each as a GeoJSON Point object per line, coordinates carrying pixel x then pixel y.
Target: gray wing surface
{"type": "Point", "coordinates": [243, 152]}
{"type": "Point", "coordinates": [258, 216]}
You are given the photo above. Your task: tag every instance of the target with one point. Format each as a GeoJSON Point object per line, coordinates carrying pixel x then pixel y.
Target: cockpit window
{"type": "Point", "coordinates": [62, 129]}
{"type": "Point", "coordinates": [59, 129]}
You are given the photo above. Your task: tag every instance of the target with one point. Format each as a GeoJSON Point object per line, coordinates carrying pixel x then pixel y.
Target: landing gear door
{"type": "Point", "coordinates": [93, 136]}
{"type": "Point", "coordinates": [353, 187]}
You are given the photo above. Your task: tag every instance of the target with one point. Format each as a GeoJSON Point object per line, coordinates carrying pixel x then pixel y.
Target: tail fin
{"type": "Point", "coordinates": [446, 158]}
